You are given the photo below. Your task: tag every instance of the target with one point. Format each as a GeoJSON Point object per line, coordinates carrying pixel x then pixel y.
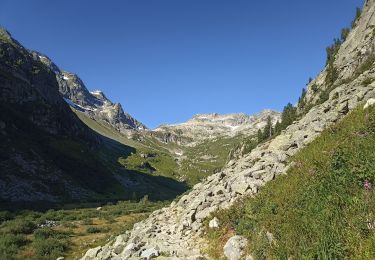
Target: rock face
{"type": "Point", "coordinates": [176, 229]}
{"type": "Point", "coordinates": [94, 104]}
{"type": "Point", "coordinates": [31, 108]}
{"type": "Point", "coordinates": [208, 126]}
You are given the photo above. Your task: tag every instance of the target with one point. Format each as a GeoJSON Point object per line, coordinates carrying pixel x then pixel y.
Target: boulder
{"type": "Point", "coordinates": [214, 223]}
{"type": "Point", "coordinates": [150, 253]}
{"type": "Point", "coordinates": [234, 247]}
{"type": "Point", "coordinates": [92, 253]}
{"type": "Point", "coordinates": [369, 102]}
{"type": "Point", "coordinates": [119, 244]}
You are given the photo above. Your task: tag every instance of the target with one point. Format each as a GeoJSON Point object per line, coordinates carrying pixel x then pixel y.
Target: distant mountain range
{"type": "Point", "coordinates": [209, 126]}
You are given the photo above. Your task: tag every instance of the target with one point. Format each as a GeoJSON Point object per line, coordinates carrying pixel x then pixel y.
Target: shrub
{"type": "Point", "coordinates": [93, 230]}
{"type": "Point", "coordinates": [19, 226]}
{"type": "Point", "coordinates": [44, 233]}
{"type": "Point", "coordinates": [367, 81]}
{"type": "Point", "coordinates": [50, 248]}
{"type": "Point", "coordinates": [5, 215]}
{"type": "Point", "coordinates": [10, 245]}
{"type": "Point", "coordinates": [87, 221]}
{"type": "Point", "coordinates": [10, 240]}
{"type": "Point", "coordinates": [358, 13]}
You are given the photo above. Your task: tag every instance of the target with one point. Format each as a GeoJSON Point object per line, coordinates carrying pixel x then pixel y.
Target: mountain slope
{"type": "Point", "coordinates": [47, 154]}
{"type": "Point", "coordinates": [95, 104]}
{"type": "Point", "coordinates": [176, 230]}
{"type": "Point", "coordinates": [321, 209]}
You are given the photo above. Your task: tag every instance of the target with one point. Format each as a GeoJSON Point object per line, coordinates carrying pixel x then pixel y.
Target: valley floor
{"type": "Point", "coordinates": [68, 232]}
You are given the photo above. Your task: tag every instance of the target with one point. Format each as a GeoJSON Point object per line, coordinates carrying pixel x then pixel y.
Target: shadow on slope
{"type": "Point", "coordinates": [49, 170]}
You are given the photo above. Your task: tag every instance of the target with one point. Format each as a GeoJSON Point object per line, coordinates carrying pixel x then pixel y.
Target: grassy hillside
{"type": "Point", "coordinates": [324, 208]}
{"type": "Point", "coordinates": [183, 163]}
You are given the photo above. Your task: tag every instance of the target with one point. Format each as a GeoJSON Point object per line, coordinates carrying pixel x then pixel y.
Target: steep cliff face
{"type": "Point", "coordinates": [176, 230]}
{"type": "Point", "coordinates": [34, 118]}
{"type": "Point", "coordinates": [354, 56]}
{"type": "Point", "coordinates": [94, 104]}
{"type": "Point", "coordinates": [32, 89]}
{"type": "Point", "coordinates": [205, 127]}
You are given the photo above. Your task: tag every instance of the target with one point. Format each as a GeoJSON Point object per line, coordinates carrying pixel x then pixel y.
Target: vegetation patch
{"type": "Point", "coordinates": [324, 208]}
{"type": "Point", "coordinates": [71, 232]}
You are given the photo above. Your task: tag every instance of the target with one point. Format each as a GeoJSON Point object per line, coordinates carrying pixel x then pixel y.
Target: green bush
{"type": "Point", "coordinates": [50, 248]}
{"type": "Point", "coordinates": [18, 226]}
{"type": "Point", "coordinates": [5, 215]}
{"type": "Point", "coordinates": [10, 245]}
{"type": "Point", "coordinates": [93, 230]}
{"type": "Point", "coordinates": [44, 233]}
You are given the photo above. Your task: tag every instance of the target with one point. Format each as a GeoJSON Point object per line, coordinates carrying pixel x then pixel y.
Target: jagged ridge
{"type": "Point", "coordinates": [94, 104]}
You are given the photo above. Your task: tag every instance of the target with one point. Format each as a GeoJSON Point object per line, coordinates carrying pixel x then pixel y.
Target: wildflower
{"type": "Point", "coordinates": [367, 185]}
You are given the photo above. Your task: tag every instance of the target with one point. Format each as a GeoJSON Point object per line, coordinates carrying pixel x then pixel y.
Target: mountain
{"type": "Point", "coordinates": [321, 172]}
{"type": "Point", "coordinates": [94, 104]}
{"type": "Point", "coordinates": [204, 127]}
{"type": "Point", "coordinates": [47, 154]}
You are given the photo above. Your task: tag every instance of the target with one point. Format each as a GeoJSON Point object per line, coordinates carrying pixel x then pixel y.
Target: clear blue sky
{"type": "Point", "coordinates": [166, 60]}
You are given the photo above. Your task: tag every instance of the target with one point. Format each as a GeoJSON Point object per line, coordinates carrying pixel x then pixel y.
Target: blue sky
{"type": "Point", "coordinates": [166, 60]}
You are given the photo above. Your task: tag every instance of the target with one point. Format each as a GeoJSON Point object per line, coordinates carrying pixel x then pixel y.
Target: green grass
{"type": "Point", "coordinates": [320, 209]}
{"type": "Point", "coordinates": [77, 229]}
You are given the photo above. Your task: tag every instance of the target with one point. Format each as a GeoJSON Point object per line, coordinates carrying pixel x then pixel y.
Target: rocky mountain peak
{"type": "Point", "coordinates": [99, 95]}
{"type": "Point", "coordinates": [208, 126]}
{"type": "Point", "coordinates": [94, 104]}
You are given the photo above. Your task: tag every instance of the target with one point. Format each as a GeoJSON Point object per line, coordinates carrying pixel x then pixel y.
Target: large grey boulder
{"type": "Point", "coordinates": [234, 248]}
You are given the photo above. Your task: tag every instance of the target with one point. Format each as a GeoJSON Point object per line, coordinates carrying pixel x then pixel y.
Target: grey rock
{"type": "Point", "coordinates": [369, 103]}
{"type": "Point", "coordinates": [234, 247]}
{"type": "Point", "coordinates": [150, 253]}
{"type": "Point", "coordinates": [214, 223]}
{"type": "Point", "coordinates": [270, 237]}
{"type": "Point", "coordinates": [92, 253]}
{"type": "Point", "coordinates": [119, 244]}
